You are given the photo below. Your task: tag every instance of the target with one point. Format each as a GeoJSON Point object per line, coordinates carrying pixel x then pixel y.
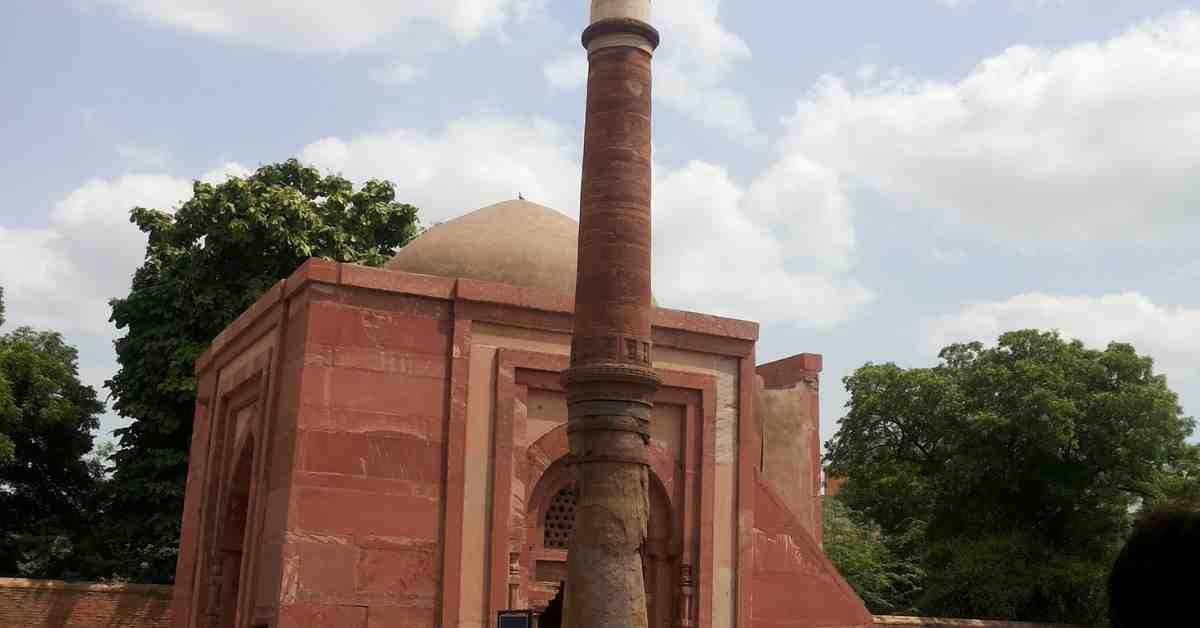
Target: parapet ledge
{"type": "Point", "coordinates": [320, 271]}
{"type": "Point", "coordinates": [787, 372]}
{"type": "Point", "coordinates": [87, 587]}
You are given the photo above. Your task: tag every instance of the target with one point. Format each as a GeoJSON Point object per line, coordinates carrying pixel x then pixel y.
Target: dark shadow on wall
{"type": "Point", "coordinates": [552, 616]}
{"type": "Point", "coordinates": [141, 611]}
{"type": "Point", "coordinates": [61, 605]}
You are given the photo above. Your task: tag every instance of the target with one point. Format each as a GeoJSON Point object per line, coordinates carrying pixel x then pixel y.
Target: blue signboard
{"type": "Point", "coordinates": [515, 619]}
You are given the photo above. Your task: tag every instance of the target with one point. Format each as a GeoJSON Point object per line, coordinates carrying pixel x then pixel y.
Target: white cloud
{"type": "Point", "coordinates": [716, 252]}
{"type": "Point", "coordinates": [804, 204]}
{"type": "Point", "coordinates": [60, 276]}
{"type": "Point", "coordinates": [399, 73]}
{"type": "Point", "coordinates": [775, 250]}
{"type": "Point", "coordinates": [144, 157]}
{"type": "Point", "coordinates": [218, 175]}
{"type": "Point", "coordinates": [317, 25]}
{"type": "Point", "coordinates": [702, 43]}
{"type": "Point", "coordinates": [956, 5]}
{"type": "Point", "coordinates": [137, 154]}
{"type": "Point", "coordinates": [704, 99]}
{"type": "Point", "coordinates": [948, 257]}
{"type": "Point", "coordinates": [1035, 4]}
{"type": "Point", "coordinates": [469, 164]}
{"type": "Point", "coordinates": [568, 70]}
{"type": "Point", "coordinates": [690, 71]}
{"type": "Point", "coordinates": [1027, 6]}
{"type": "Point", "coordinates": [1171, 335]}
{"type": "Point", "coordinates": [867, 72]}
{"type": "Point", "coordinates": [1048, 149]}
{"type": "Point", "coordinates": [1187, 271]}
{"type": "Point", "coordinates": [961, 6]}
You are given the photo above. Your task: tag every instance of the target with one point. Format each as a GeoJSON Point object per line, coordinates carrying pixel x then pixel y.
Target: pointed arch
{"type": "Point", "coordinates": [229, 553]}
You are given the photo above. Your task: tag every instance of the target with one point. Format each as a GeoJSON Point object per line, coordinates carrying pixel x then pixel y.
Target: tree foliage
{"type": "Point", "coordinates": [8, 407]}
{"type": "Point", "coordinates": [1025, 459]}
{"type": "Point", "coordinates": [877, 566]}
{"type": "Point", "coordinates": [205, 264]}
{"type": "Point", "coordinates": [48, 487]}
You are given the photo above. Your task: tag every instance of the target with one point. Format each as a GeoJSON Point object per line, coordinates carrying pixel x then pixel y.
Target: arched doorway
{"type": "Point", "coordinates": [229, 550]}
{"type": "Point", "coordinates": [552, 616]}
{"type": "Point", "coordinates": [555, 527]}
{"type": "Point", "coordinates": [659, 559]}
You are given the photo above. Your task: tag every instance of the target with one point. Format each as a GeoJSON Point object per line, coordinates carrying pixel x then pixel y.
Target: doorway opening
{"type": "Point", "coordinates": [552, 616]}
{"type": "Point", "coordinates": [659, 563]}
{"type": "Point", "coordinates": [232, 539]}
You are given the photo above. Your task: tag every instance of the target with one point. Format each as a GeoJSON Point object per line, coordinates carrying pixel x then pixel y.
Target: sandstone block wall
{"type": "Point", "coordinates": [56, 604]}
{"type": "Point", "coordinates": [361, 546]}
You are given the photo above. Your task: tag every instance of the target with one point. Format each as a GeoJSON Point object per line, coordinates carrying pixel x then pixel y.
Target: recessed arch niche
{"type": "Point", "coordinates": [230, 549]}
{"type": "Point", "coordinates": [551, 510]}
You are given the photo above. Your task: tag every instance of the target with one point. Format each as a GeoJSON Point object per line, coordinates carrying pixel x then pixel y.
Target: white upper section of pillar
{"type": "Point", "coordinates": [621, 9]}
{"type": "Point", "coordinates": [636, 9]}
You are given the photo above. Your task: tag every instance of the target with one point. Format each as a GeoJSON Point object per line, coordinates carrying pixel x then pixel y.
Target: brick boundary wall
{"type": "Point", "coordinates": [939, 622]}
{"type": "Point", "coordinates": [56, 604]}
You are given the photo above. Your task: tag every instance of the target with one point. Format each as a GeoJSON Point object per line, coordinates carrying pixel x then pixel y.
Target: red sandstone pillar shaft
{"type": "Point", "coordinates": [611, 381]}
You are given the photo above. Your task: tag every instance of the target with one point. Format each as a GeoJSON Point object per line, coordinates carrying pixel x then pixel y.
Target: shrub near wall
{"type": "Point", "coordinates": [56, 604]}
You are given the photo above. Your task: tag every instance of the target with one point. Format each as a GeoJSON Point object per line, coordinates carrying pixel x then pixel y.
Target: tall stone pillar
{"type": "Point", "coordinates": [611, 381]}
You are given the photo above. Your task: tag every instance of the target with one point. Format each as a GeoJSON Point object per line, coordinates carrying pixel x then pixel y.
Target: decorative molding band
{"type": "Point", "coordinates": [611, 32]}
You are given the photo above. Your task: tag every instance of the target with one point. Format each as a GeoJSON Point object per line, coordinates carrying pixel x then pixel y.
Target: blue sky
{"type": "Point", "coordinates": [869, 180]}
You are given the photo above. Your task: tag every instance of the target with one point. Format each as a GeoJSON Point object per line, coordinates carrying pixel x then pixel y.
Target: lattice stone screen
{"type": "Point", "coordinates": [560, 519]}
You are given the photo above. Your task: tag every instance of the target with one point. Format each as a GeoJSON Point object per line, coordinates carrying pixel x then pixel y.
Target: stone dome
{"type": "Point", "coordinates": [515, 242]}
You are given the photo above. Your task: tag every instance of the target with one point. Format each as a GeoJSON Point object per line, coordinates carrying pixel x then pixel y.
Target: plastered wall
{"type": "Point", "coordinates": [788, 416]}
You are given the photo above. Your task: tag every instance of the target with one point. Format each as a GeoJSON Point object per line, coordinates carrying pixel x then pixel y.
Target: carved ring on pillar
{"type": "Point", "coordinates": [687, 591]}
{"type": "Point", "coordinates": [610, 27]}
{"type": "Point", "coordinates": [588, 410]}
{"type": "Point", "coordinates": [608, 372]}
{"type": "Point", "coordinates": [578, 460]}
{"type": "Point", "coordinates": [605, 415]}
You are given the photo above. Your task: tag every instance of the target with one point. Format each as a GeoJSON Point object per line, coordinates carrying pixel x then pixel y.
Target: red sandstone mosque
{"type": "Point", "coordinates": [429, 444]}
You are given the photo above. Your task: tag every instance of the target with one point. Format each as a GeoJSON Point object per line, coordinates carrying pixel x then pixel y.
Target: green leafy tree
{"type": "Point", "coordinates": [47, 486]}
{"type": "Point", "coordinates": [205, 264]}
{"type": "Point", "coordinates": [885, 579]}
{"type": "Point", "coordinates": [1026, 460]}
{"type": "Point", "coordinates": [8, 407]}
{"type": "Point", "coordinates": [1178, 487]}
